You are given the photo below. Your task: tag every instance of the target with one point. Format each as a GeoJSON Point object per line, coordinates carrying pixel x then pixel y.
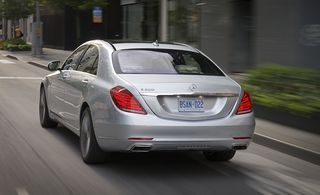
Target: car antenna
{"type": "Point", "coordinates": [156, 43]}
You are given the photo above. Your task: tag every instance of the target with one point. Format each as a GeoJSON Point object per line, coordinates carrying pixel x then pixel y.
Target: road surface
{"type": "Point", "coordinates": [38, 161]}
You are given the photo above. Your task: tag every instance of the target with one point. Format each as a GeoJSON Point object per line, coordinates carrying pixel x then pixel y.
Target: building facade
{"type": "Point", "coordinates": [236, 34]}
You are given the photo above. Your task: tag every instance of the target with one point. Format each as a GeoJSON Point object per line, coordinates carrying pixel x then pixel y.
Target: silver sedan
{"type": "Point", "coordinates": [144, 96]}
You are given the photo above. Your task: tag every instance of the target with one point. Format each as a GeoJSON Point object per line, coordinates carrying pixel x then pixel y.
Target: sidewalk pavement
{"type": "Point", "coordinates": [295, 142]}
{"type": "Point", "coordinates": [41, 61]}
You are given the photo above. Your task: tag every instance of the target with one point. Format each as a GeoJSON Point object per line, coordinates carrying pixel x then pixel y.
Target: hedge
{"type": "Point", "coordinates": [16, 44]}
{"type": "Point", "coordinates": [296, 90]}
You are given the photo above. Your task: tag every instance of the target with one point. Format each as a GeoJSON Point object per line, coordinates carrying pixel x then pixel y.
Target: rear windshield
{"type": "Point", "coordinates": [163, 61]}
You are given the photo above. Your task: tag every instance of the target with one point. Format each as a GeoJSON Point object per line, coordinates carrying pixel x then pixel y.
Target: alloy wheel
{"type": "Point", "coordinates": [42, 107]}
{"type": "Point", "coordinates": [85, 134]}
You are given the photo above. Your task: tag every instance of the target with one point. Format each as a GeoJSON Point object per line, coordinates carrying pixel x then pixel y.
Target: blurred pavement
{"type": "Point", "coordinates": [48, 55]}
{"type": "Point", "coordinates": [295, 142]}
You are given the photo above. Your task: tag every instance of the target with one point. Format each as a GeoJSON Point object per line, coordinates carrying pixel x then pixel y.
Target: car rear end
{"type": "Point", "coordinates": [171, 97]}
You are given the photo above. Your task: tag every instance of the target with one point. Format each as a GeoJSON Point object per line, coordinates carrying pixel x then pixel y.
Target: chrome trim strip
{"type": "Point", "coordinates": [193, 94]}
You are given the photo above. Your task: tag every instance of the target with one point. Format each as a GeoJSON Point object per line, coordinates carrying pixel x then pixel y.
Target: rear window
{"type": "Point", "coordinates": [160, 61]}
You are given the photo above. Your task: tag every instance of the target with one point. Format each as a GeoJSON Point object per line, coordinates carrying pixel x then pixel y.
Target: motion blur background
{"type": "Point", "coordinates": [271, 46]}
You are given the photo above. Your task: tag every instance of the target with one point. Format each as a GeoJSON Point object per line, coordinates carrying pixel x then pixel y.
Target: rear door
{"type": "Point", "coordinates": [78, 84]}
{"type": "Point", "coordinates": [61, 86]}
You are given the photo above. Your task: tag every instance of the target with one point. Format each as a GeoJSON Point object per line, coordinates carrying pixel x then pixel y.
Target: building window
{"type": "Point", "coordinates": [140, 19]}
{"type": "Point", "coordinates": [184, 21]}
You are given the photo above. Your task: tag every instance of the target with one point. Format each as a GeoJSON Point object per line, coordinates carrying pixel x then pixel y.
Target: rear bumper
{"type": "Point", "coordinates": [160, 134]}
{"type": "Point", "coordinates": [173, 145]}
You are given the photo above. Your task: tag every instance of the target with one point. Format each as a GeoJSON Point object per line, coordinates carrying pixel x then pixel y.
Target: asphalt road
{"type": "Point", "coordinates": [37, 161]}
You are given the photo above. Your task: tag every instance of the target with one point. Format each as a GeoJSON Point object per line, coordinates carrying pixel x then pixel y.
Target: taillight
{"type": "Point", "coordinates": [125, 101]}
{"type": "Point", "coordinates": [245, 105]}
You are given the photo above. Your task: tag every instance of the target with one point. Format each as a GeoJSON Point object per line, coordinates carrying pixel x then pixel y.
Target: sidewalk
{"type": "Point", "coordinates": [43, 60]}
{"type": "Point", "coordinates": [285, 139]}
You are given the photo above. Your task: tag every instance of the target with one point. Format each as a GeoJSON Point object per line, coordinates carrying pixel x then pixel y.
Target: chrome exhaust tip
{"type": "Point", "coordinates": [141, 148]}
{"type": "Point", "coordinates": [239, 147]}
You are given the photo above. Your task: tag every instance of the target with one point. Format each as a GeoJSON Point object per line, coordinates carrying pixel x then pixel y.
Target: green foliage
{"type": "Point", "coordinates": [294, 89]}
{"type": "Point", "coordinates": [12, 46]}
{"type": "Point", "coordinates": [15, 41]}
{"type": "Point", "coordinates": [24, 47]}
{"type": "Point", "coordinates": [16, 9]}
{"type": "Point", "coordinates": [16, 44]}
{"type": "Point", "coordinates": [77, 4]}
{"type": "Point", "coordinates": [89, 4]}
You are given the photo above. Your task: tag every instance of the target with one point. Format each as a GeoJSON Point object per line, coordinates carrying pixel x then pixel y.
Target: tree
{"type": "Point", "coordinates": [16, 9]}
{"type": "Point", "coordinates": [77, 4]}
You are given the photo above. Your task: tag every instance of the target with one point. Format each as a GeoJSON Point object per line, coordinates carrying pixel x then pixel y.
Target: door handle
{"type": "Point", "coordinates": [85, 81]}
{"type": "Point", "coordinates": [66, 75]}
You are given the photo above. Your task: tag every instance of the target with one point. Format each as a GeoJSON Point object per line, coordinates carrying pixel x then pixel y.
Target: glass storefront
{"type": "Point", "coordinates": [221, 29]}
{"type": "Point", "coordinates": [140, 20]}
{"type": "Point", "coordinates": [184, 21]}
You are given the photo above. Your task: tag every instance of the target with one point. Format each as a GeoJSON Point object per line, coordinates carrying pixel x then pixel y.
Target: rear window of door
{"type": "Point", "coordinates": [88, 60]}
{"type": "Point", "coordinates": [73, 60]}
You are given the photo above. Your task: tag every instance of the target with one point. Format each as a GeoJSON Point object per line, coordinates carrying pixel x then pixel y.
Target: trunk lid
{"type": "Point", "coordinates": [186, 97]}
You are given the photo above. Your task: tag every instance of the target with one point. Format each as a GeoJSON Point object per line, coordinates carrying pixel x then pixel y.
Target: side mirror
{"type": "Point", "coordinates": [53, 65]}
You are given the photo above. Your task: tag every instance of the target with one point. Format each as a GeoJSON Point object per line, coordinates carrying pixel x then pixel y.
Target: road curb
{"type": "Point", "coordinates": [12, 57]}
{"type": "Point", "coordinates": [29, 62]}
{"type": "Point", "coordinates": [38, 65]}
{"type": "Point", "coordinates": [285, 147]}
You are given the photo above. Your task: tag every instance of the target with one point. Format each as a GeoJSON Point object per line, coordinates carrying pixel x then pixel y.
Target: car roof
{"type": "Point", "coordinates": [120, 45]}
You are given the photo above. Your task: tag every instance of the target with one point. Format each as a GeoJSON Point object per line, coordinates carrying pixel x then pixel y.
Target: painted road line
{"type": "Point", "coordinates": [283, 142]}
{"type": "Point", "coordinates": [22, 191]}
{"type": "Point", "coordinates": [21, 78]}
{"type": "Point", "coordinates": [6, 62]}
{"type": "Point", "coordinates": [288, 148]}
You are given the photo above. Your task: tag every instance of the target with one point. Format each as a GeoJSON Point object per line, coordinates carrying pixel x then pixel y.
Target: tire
{"type": "Point", "coordinates": [44, 117]}
{"type": "Point", "coordinates": [90, 151]}
{"type": "Point", "coordinates": [219, 155]}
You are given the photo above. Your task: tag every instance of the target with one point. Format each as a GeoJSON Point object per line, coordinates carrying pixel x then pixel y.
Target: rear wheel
{"type": "Point", "coordinates": [90, 150]}
{"type": "Point", "coordinates": [219, 155]}
{"type": "Point", "coordinates": [45, 119]}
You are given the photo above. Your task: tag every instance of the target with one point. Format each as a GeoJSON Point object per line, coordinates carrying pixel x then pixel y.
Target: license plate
{"type": "Point", "coordinates": [190, 105]}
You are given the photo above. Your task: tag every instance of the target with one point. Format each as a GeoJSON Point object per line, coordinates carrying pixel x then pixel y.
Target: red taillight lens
{"type": "Point", "coordinates": [245, 105]}
{"type": "Point", "coordinates": [125, 101]}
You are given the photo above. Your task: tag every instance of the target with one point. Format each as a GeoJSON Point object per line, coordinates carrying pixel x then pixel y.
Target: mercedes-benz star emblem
{"type": "Point", "coordinates": [193, 87]}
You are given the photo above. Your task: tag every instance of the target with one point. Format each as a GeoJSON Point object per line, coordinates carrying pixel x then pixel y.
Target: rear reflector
{"type": "Point", "coordinates": [140, 138]}
{"type": "Point", "coordinates": [125, 101]}
{"type": "Point", "coordinates": [237, 138]}
{"type": "Point", "coordinates": [245, 105]}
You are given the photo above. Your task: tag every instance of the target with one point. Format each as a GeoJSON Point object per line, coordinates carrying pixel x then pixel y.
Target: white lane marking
{"type": "Point", "coordinates": [6, 62]}
{"type": "Point", "coordinates": [22, 191]}
{"type": "Point", "coordinates": [287, 143]}
{"type": "Point", "coordinates": [22, 78]}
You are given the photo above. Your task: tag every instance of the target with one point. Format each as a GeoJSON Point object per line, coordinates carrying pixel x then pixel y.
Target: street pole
{"type": "Point", "coordinates": [36, 34]}
{"type": "Point", "coordinates": [164, 20]}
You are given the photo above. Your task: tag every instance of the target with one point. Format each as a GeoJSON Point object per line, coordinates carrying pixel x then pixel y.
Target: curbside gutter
{"type": "Point", "coordinates": [288, 148]}
{"type": "Point", "coordinates": [275, 144]}
{"type": "Point", "coordinates": [38, 65]}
